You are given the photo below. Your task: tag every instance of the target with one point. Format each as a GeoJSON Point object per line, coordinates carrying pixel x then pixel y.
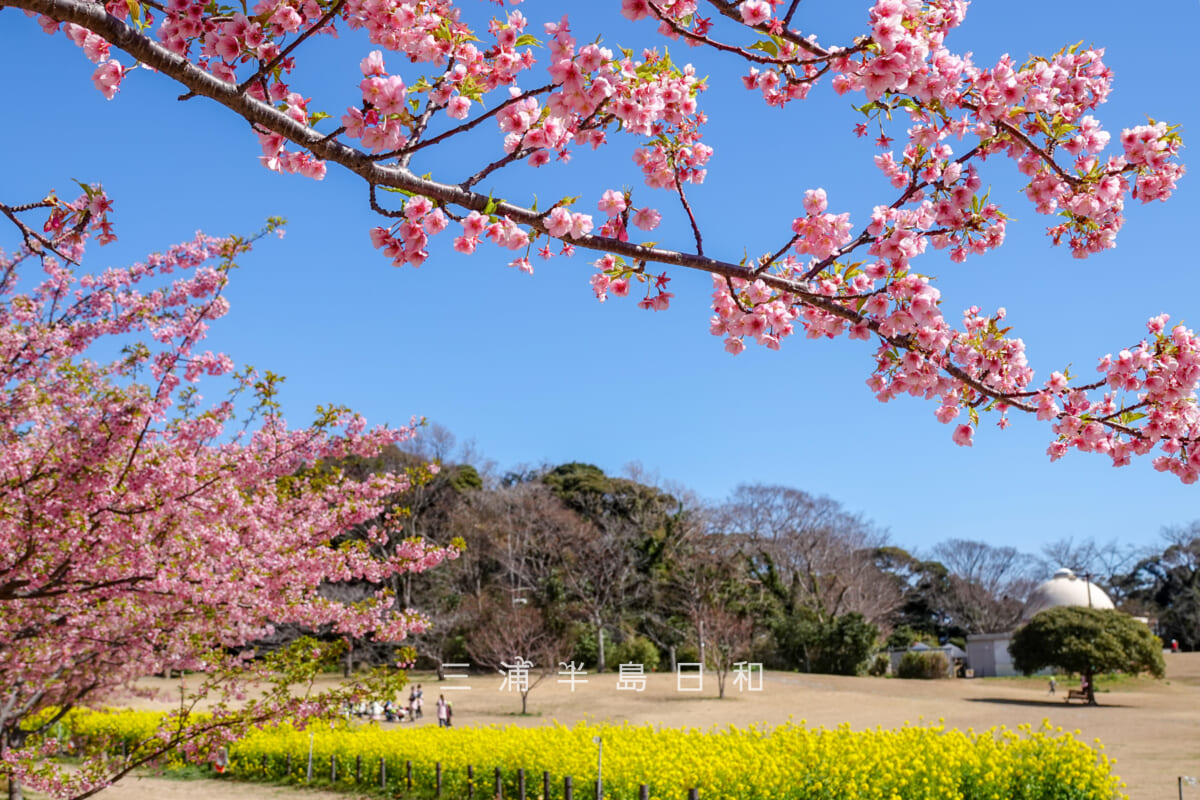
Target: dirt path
{"type": "Point", "coordinates": [1152, 728]}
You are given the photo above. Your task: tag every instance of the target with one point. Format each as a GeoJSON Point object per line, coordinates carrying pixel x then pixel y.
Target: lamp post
{"type": "Point", "coordinates": [599, 767]}
{"type": "Point", "coordinates": [1087, 582]}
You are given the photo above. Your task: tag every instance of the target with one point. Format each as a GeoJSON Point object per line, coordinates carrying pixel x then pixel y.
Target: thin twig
{"type": "Point", "coordinates": [691, 216]}
{"type": "Point", "coordinates": [299, 40]}
{"type": "Point", "coordinates": [466, 126]}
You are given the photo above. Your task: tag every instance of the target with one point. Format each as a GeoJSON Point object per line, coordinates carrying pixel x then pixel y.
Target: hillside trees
{"type": "Point", "coordinates": [815, 560]}
{"type": "Point", "coordinates": [445, 84]}
{"type": "Point", "coordinates": [924, 588]}
{"type": "Point", "coordinates": [988, 584]}
{"type": "Point", "coordinates": [609, 566]}
{"type": "Point", "coordinates": [1166, 585]}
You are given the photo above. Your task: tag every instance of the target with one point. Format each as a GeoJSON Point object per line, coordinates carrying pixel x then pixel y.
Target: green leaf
{"type": "Point", "coordinates": [316, 117]}
{"type": "Point", "coordinates": [767, 47]}
{"type": "Point", "coordinates": [135, 11]}
{"type": "Point", "coordinates": [527, 40]}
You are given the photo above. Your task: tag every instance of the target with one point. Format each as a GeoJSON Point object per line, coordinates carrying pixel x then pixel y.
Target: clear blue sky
{"type": "Point", "coordinates": [535, 370]}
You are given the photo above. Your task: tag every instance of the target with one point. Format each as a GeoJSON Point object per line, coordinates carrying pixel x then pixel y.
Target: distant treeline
{"type": "Point", "coordinates": [566, 563]}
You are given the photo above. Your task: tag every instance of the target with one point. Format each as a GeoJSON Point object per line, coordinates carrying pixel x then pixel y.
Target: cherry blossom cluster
{"type": "Point", "coordinates": [139, 532]}
{"type": "Point", "coordinates": [1029, 113]}
{"type": "Point", "coordinates": [615, 277]}
{"type": "Point", "coordinates": [1163, 373]}
{"type": "Point", "coordinates": [406, 241]}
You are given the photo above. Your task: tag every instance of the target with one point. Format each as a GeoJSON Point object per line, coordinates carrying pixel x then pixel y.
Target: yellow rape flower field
{"type": "Point", "coordinates": [802, 736]}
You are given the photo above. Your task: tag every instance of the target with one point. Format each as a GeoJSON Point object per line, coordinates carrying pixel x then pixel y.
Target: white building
{"type": "Point", "coordinates": [987, 653]}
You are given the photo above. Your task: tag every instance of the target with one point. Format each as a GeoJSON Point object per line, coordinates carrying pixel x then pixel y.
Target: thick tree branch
{"type": "Point", "coordinates": [127, 38]}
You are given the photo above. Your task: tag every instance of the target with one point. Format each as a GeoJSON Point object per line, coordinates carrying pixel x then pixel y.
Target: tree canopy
{"type": "Point", "coordinates": [1087, 641]}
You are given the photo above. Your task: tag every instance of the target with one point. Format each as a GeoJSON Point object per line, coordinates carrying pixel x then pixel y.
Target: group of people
{"type": "Point", "coordinates": [394, 712]}
{"type": "Point", "coordinates": [381, 711]}
{"type": "Point", "coordinates": [416, 702]}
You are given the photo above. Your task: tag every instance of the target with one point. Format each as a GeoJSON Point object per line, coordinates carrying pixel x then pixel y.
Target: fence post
{"type": "Point", "coordinates": [264, 764]}
{"type": "Point", "coordinates": [383, 773]}
{"type": "Point", "coordinates": [499, 793]}
{"type": "Point", "coordinates": [693, 794]}
{"type": "Point", "coordinates": [308, 773]}
{"type": "Point", "coordinates": [408, 774]}
{"type": "Point", "coordinates": [358, 768]}
{"type": "Point", "coordinates": [332, 768]}
{"type": "Point", "coordinates": [288, 769]}
{"type": "Point", "coordinates": [437, 792]}
{"type": "Point", "coordinates": [470, 781]}
{"type": "Point", "coordinates": [545, 786]}
{"type": "Point", "coordinates": [568, 794]}
{"type": "Point", "coordinates": [643, 792]}
{"type": "Point", "coordinates": [521, 784]}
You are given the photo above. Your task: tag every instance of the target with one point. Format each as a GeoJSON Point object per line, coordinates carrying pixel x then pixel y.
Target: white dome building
{"type": "Point", "coordinates": [1065, 589]}
{"type": "Point", "coordinates": [987, 653]}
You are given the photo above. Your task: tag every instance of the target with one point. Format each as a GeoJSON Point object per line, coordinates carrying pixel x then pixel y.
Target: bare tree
{"type": "Point", "coordinates": [447, 615]}
{"type": "Point", "coordinates": [728, 635]}
{"type": "Point", "coordinates": [515, 641]}
{"type": "Point", "coordinates": [435, 443]}
{"type": "Point", "coordinates": [809, 551]}
{"type": "Point", "coordinates": [712, 586]}
{"type": "Point", "coordinates": [988, 585]}
{"type": "Point", "coordinates": [599, 567]}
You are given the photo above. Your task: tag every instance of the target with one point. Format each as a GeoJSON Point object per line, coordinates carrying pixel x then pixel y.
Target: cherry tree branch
{"type": "Point", "coordinates": [412, 148]}
{"type": "Point", "coordinates": [142, 47]}
{"type": "Point", "coordinates": [730, 10]}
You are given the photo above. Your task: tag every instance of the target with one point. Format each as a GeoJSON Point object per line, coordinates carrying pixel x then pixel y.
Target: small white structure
{"type": "Point", "coordinates": [1065, 589]}
{"type": "Point", "coordinates": [987, 653]}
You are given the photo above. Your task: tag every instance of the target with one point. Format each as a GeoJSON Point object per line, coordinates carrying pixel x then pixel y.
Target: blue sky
{"type": "Point", "coordinates": [534, 370]}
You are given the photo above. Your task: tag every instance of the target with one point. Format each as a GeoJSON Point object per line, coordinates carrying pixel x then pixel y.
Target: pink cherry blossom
{"type": "Point", "coordinates": [963, 435]}
{"type": "Point", "coordinates": [107, 78]}
{"type": "Point", "coordinates": [755, 12]}
{"type": "Point", "coordinates": [558, 222]}
{"type": "Point", "coordinates": [646, 218]}
{"type": "Point", "coordinates": [612, 203]}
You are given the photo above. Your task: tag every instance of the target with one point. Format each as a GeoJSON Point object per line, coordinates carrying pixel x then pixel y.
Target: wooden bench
{"type": "Point", "coordinates": [1076, 694]}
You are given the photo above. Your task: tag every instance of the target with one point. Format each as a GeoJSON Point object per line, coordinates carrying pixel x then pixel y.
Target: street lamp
{"type": "Point", "coordinates": [1087, 582]}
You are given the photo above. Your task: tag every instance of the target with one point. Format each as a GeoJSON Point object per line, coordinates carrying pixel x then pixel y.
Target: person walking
{"type": "Point", "coordinates": [443, 715]}
{"type": "Point", "coordinates": [420, 702]}
{"type": "Point", "coordinates": [1053, 684]}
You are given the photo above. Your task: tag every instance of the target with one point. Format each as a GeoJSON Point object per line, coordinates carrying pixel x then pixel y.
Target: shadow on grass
{"type": "Point", "coordinates": [1047, 703]}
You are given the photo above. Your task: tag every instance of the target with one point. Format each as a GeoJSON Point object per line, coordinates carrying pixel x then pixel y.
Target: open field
{"type": "Point", "coordinates": [1151, 727]}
